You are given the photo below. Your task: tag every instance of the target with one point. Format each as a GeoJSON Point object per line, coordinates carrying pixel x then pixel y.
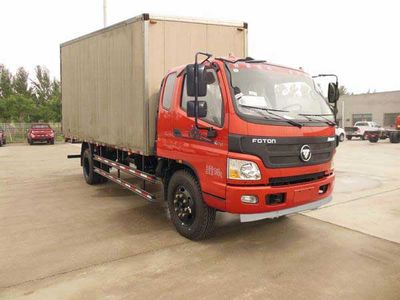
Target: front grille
{"type": "Point", "coordinates": [295, 159]}
{"type": "Point", "coordinates": [277, 181]}
{"type": "Point", "coordinates": [284, 152]}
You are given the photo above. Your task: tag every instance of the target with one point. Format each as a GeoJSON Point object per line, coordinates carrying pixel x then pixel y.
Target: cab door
{"type": "Point", "coordinates": [207, 156]}
{"type": "Point", "coordinates": [166, 115]}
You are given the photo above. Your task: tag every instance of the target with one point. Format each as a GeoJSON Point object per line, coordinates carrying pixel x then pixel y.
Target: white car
{"type": "Point", "coordinates": [359, 128]}
{"type": "Point", "coordinates": [340, 133]}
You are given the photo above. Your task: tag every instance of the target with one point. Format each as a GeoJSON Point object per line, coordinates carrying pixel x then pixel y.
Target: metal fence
{"type": "Point", "coordinates": [16, 132]}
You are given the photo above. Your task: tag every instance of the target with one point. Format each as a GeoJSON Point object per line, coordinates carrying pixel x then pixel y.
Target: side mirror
{"type": "Point", "coordinates": [201, 109]}
{"type": "Point", "coordinates": [201, 81]}
{"type": "Point", "coordinates": [333, 93]}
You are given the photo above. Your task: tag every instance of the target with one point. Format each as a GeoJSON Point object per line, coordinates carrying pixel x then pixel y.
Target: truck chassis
{"type": "Point", "coordinates": [185, 199]}
{"type": "Point", "coordinates": [375, 135]}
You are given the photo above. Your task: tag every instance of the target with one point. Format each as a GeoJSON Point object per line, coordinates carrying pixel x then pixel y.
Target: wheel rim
{"type": "Point", "coordinates": [184, 206]}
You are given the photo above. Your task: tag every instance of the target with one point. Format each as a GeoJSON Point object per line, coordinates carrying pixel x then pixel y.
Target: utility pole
{"type": "Point", "coordinates": [105, 12]}
{"type": "Point", "coordinates": [343, 118]}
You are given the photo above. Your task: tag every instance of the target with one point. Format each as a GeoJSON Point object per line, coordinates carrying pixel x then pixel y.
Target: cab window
{"type": "Point", "coordinates": [168, 91]}
{"type": "Point", "coordinates": [213, 99]}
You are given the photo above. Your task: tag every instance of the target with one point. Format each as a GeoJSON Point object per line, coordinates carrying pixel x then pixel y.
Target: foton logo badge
{"type": "Point", "coordinates": [263, 141]}
{"type": "Point", "coordinates": [305, 153]}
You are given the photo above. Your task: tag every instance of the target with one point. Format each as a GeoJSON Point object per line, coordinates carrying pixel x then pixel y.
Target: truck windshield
{"type": "Point", "coordinates": [290, 93]}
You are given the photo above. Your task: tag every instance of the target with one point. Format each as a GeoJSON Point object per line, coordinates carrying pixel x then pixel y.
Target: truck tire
{"type": "Point", "coordinates": [191, 216]}
{"type": "Point", "coordinates": [394, 137]}
{"type": "Point", "coordinates": [348, 137]}
{"type": "Point", "coordinates": [373, 139]}
{"type": "Point", "coordinates": [88, 163]}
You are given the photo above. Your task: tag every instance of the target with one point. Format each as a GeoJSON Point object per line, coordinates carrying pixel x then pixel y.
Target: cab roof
{"type": "Point", "coordinates": [244, 62]}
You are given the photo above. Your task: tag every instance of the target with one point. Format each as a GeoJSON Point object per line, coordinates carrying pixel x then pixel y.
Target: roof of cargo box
{"type": "Point", "coordinates": [155, 18]}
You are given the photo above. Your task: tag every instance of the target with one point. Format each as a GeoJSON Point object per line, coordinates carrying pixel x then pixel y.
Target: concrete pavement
{"type": "Point", "coordinates": [63, 239]}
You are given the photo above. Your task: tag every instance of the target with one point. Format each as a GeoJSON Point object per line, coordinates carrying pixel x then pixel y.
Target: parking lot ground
{"type": "Point", "coordinates": [63, 239]}
{"type": "Point", "coordinates": [367, 191]}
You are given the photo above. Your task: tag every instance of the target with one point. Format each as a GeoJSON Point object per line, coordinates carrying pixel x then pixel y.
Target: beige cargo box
{"type": "Point", "coordinates": [110, 78]}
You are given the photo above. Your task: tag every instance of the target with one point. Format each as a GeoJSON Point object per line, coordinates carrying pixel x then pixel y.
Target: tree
{"type": "Point", "coordinates": [20, 102]}
{"type": "Point", "coordinates": [17, 108]}
{"type": "Point", "coordinates": [20, 83]}
{"type": "Point", "coordinates": [55, 89]}
{"type": "Point", "coordinates": [51, 110]}
{"type": "Point", "coordinates": [343, 90]}
{"type": "Point", "coordinates": [5, 82]}
{"type": "Point", "coordinates": [42, 86]}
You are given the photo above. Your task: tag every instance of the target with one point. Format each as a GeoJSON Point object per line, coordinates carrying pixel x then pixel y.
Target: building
{"type": "Point", "coordinates": [379, 107]}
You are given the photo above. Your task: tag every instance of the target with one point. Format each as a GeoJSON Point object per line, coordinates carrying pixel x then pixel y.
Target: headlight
{"type": "Point", "coordinates": [243, 170]}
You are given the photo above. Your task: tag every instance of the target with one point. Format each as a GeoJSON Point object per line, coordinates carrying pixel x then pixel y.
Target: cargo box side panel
{"type": "Point", "coordinates": [225, 40]}
{"type": "Point", "coordinates": [174, 43]}
{"type": "Point", "coordinates": [103, 87]}
{"type": "Point", "coordinates": [133, 110]}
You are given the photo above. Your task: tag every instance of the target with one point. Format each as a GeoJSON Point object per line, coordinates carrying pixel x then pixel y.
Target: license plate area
{"type": "Point", "coordinates": [304, 195]}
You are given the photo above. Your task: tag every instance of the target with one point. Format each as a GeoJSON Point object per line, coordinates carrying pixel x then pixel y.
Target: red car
{"type": "Point", "coordinates": [40, 133]}
{"type": "Point", "coordinates": [2, 138]}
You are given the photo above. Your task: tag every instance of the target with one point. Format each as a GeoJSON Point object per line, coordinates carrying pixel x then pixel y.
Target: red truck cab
{"type": "Point", "coordinates": [272, 138]}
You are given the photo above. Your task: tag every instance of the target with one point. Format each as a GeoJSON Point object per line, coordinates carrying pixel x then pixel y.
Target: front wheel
{"type": "Point", "coordinates": [192, 217]}
{"type": "Point", "coordinates": [341, 137]}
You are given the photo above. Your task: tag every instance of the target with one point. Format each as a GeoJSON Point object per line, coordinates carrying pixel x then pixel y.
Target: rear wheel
{"type": "Point", "coordinates": [364, 137]}
{"type": "Point", "coordinates": [341, 137]}
{"type": "Point", "coordinates": [192, 217]}
{"type": "Point", "coordinates": [88, 164]}
{"type": "Point", "coordinates": [394, 137]}
{"type": "Point", "coordinates": [51, 142]}
{"type": "Point", "coordinates": [373, 139]}
{"type": "Point", "coordinates": [30, 142]}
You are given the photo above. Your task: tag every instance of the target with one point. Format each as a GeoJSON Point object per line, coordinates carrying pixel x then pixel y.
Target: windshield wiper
{"type": "Point", "coordinates": [271, 111]}
{"type": "Point", "coordinates": [327, 121]}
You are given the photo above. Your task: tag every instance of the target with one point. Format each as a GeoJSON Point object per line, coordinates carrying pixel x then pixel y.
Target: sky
{"type": "Point", "coordinates": [357, 40]}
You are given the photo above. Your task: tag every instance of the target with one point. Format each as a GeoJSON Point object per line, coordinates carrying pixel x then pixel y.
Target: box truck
{"type": "Point", "coordinates": [177, 103]}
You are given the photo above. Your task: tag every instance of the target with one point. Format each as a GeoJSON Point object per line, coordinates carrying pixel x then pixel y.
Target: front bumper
{"type": "Point", "coordinates": [283, 212]}
{"type": "Point", "coordinates": [295, 195]}
{"type": "Point", "coordinates": [41, 138]}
